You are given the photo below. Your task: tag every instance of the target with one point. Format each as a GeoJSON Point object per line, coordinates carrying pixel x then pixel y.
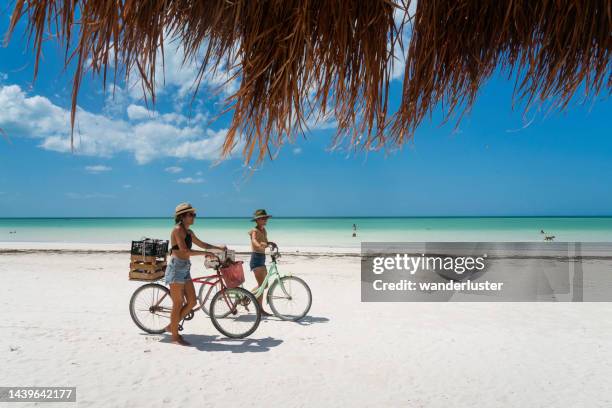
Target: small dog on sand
{"type": "Point", "coordinates": [547, 237]}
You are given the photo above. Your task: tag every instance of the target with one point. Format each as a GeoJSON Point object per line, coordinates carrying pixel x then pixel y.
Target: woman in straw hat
{"type": "Point", "coordinates": [178, 271]}
{"type": "Point", "coordinates": [259, 243]}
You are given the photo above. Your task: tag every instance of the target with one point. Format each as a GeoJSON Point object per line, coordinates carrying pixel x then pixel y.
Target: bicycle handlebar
{"type": "Point", "coordinates": [274, 252]}
{"type": "Point", "coordinates": [214, 256]}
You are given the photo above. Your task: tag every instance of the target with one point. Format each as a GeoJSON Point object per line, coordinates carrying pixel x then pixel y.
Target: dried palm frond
{"type": "Point", "coordinates": [299, 58]}
{"type": "Point", "coordinates": [552, 47]}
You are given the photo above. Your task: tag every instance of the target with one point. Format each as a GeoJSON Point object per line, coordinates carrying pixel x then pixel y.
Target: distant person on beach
{"type": "Point", "coordinates": [259, 243]}
{"type": "Point", "coordinates": [178, 274]}
{"type": "Point", "coordinates": [354, 230]}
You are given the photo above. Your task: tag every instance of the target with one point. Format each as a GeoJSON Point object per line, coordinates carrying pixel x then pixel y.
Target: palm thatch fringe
{"type": "Point", "coordinates": [297, 58]}
{"type": "Point", "coordinates": [551, 47]}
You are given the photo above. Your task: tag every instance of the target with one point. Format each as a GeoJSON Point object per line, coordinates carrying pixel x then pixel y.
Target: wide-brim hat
{"type": "Point", "coordinates": [260, 214]}
{"type": "Point", "coordinates": [183, 208]}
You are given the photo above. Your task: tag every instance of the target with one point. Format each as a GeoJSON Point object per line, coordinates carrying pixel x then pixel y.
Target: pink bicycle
{"type": "Point", "coordinates": [234, 312]}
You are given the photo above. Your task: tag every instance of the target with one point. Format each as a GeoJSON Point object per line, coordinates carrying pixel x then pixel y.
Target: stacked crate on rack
{"type": "Point", "coordinates": [148, 259]}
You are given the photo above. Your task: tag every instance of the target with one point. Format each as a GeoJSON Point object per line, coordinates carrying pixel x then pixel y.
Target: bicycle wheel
{"type": "Point", "coordinates": [207, 292]}
{"type": "Point", "coordinates": [235, 312]}
{"type": "Point", "coordinates": [150, 307]}
{"type": "Point", "coordinates": [290, 298]}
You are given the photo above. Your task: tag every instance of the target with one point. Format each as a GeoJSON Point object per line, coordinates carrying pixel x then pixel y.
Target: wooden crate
{"type": "Point", "coordinates": [147, 259]}
{"type": "Point", "coordinates": [147, 268]}
{"type": "Point", "coordinates": [146, 276]}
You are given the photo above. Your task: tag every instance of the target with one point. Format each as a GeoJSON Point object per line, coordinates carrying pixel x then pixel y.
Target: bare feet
{"type": "Point", "coordinates": [181, 341]}
{"type": "Point", "coordinates": [178, 339]}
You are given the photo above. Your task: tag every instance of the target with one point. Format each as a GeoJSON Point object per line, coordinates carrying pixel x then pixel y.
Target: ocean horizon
{"type": "Point", "coordinates": [312, 231]}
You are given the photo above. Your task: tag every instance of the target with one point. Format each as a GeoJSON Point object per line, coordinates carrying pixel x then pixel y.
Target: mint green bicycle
{"type": "Point", "coordinates": [289, 297]}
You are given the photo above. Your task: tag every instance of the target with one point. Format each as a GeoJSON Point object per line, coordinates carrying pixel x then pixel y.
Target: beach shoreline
{"type": "Point", "coordinates": [598, 250]}
{"type": "Point", "coordinates": [301, 234]}
{"type": "Point", "coordinates": [82, 247]}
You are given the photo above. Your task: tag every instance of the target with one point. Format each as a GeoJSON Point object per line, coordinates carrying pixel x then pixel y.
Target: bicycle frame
{"type": "Point", "coordinates": [204, 280]}
{"type": "Point", "coordinates": [272, 276]}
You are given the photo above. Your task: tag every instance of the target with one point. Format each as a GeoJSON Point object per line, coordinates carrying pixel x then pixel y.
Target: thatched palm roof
{"type": "Point", "coordinates": [296, 58]}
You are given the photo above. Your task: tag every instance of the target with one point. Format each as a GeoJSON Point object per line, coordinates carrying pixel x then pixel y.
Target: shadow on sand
{"type": "Point", "coordinates": [305, 321]}
{"type": "Point", "coordinates": [308, 320]}
{"type": "Point", "coordinates": [204, 342]}
{"type": "Point", "coordinates": [215, 343]}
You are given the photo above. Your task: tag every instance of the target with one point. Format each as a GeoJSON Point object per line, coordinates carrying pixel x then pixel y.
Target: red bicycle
{"type": "Point", "coordinates": [234, 312]}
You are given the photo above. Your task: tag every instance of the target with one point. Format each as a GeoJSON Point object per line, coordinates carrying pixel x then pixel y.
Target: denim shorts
{"type": "Point", "coordinates": [257, 260]}
{"type": "Point", "coordinates": [177, 271]}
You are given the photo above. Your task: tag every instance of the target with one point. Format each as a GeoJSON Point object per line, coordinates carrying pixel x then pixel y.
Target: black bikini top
{"type": "Point", "coordinates": [188, 241]}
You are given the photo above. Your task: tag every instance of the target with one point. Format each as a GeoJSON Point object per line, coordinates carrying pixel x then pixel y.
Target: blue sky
{"type": "Point", "coordinates": [132, 162]}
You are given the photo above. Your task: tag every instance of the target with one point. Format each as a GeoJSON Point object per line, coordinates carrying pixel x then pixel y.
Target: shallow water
{"type": "Point", "coordinates": [313, 232]}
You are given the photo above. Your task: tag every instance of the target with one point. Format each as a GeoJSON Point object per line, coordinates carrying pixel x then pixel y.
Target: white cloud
{"type": "Point", "coordinates": [115, 100]}
{"type": "Point", "coordinates": [174, 78]}
{"type": "Point", "coordinates": [399, 56]}
{"type": "Point", "coordinates": [190, 180]}
{"type": "Point", "coordinates": [165, 135]}
{"type": "Point", "coordinates": [203, 149]}
{"type": "Point", "coordinates": [297, 150]}
{"type": "Point", "coordinates": [199, 173]}
{"type": "Point", "coordinates": [173, 169]}
{"type": "Point", "coordinates": [126, 186]}
{"type": "Point", "coordinates": [178, 76]}
{"type": "Point", "coordinates": [99, 168]}
{"type": "Point", "coordinates": [3, 76]}
{"type": "Point", "coordinates": [318, 121]}
{"type": "Point", "coordinates": [87, 196]}
{"type": "Point", "coordinates": [137, 112]}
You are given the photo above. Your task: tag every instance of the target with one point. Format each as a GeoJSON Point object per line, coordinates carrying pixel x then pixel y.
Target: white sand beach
{"type": "Point", "coordinates": [65, 322]}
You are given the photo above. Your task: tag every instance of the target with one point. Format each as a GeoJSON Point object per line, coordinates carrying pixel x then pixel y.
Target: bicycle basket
{"type": "Point", "coordinates": [233, 274]}
{"type": "Point", "coordinates": [212, 263]}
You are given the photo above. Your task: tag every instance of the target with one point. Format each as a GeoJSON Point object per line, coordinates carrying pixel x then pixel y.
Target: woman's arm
{"type": "Point", "coordinates": [268, 242]}
{"type": "Point", "coordinates": [258, 244]}
{"type": "Point", "coordinates": [179, 237]}
{"type": "Point", "coordinates": [205, 245]}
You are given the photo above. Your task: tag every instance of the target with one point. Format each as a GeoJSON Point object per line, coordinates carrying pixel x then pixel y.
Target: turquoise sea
{"type": "Point", "coordinates": [311, 232]}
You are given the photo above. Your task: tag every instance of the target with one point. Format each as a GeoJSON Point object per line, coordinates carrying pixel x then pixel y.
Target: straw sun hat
{"type": "Point", "coordinates": [260, 214]}
{"type": "Point", "coordinates": [183, 208]}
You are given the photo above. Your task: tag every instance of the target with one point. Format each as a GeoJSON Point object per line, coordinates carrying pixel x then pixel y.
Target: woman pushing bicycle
{"type": "Point", "coordinates": [178, 274]}
{"type": "Point", "coordinates": [259, 243]}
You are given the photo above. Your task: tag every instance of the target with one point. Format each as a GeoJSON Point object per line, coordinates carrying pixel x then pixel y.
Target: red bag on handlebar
{"type": "Point", "coordinates": [233, 274]}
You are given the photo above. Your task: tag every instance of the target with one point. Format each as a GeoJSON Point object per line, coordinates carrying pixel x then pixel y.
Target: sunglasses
{"type": "Point", "coordinates": [191, 215]}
